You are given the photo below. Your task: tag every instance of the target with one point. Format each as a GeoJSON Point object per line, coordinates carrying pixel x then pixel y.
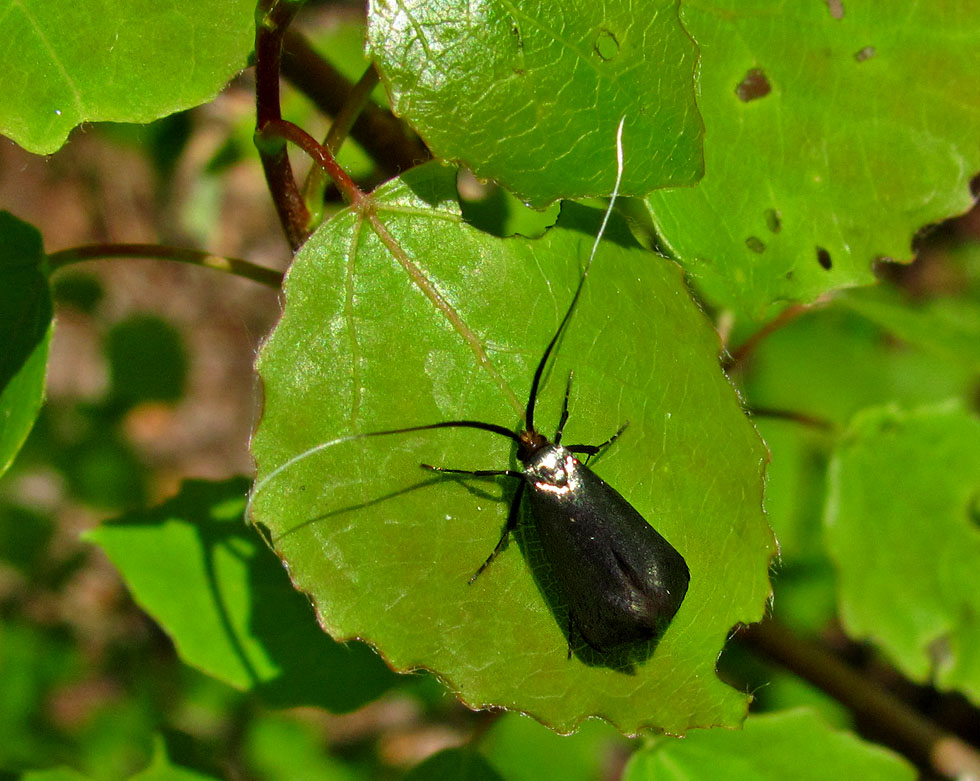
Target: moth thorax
{"type": "Point", "coordinates": [553, 469]}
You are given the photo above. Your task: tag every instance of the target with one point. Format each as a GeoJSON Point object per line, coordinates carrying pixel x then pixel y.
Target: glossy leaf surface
{"type": "Point", "coordinates": [529, 94]}
{"type": "Point", "coordinates": [113, 60]}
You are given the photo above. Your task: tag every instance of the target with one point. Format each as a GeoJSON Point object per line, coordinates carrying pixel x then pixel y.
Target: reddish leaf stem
{"type": "Point", "coordinates": [797, 417]}
{"type": "Point", "coordinates": [272, 19]}
{"type": "Point", "coordinates": [357, 99]}
{"type": "Point", "coordinates": [241, 268]}
{"type": "Point", "coordinates": [283, 129]}
{"type": "Point", "coordinates": [745, 349]}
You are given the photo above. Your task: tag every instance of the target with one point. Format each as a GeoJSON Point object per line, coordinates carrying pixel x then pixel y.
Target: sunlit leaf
{"type": "Point", "coordinates": [530, 95]}
{"type": "Point", "coordinates": [946, 326]}
{"type": "Point", "coordinates": [113, 60]}
{"type": "Point", "coordinates": [831, 139]}
{"type": "Point", "coordinates": [444, 322]}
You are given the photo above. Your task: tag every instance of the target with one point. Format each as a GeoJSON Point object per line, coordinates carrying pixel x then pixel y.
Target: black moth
{"type": "Point", "coordinates": [622, 580]}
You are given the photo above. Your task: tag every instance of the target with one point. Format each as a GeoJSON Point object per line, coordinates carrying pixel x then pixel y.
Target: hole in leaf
{"type": "Point", "coordinates": [606, 45]}
{"type": "Point", "coordinates": [755, 244]}
{"type": "Point", "coordinates": [823, 258]}
{"type": "Point", "coordinates": [836, 8]}
{"type": "Point", "coordinates": [753, 86]}
{"type": "Point", "coordinates": [865, 54]}
{"type": "Point", "coordinates": [774, 221]}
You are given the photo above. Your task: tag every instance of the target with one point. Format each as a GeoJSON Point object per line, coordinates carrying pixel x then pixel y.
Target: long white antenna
{"type": "Point", "coordinates": [615, 191]}
{"type": "Point", "coordinates": [539, 371]}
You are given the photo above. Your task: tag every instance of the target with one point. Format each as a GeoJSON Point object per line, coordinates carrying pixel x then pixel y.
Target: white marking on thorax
{"type": "Point", "coordinates": [556, 472]}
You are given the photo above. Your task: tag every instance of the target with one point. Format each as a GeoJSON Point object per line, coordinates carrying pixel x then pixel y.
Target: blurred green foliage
{"type": "Point", "coordinates": [92, 687]}
{"type": "Point", "coordinates": [147, 361]}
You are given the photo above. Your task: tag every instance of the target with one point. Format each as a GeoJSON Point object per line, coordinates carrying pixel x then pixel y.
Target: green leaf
{"type": "Point", "coordinates": [36, 665]}
{"type": "Point", "coordinates": [162, 769]}
{"type": "Point", "coordinates": [281, 748]}
{"type": "Point", "coordinates": [947, 327]}
{"type": "Point", "coordinates": [54, 774]}
{"type": "Point", "coordinates": [454, 764]}
{"type": "Point", "coordinates": [804, 586]}
{"type": "Point", "coordinates": [113, 60]}
{"type": "Point", "coordinates": [795, 485]}
{"type": "Point", "coordinates": [80, 290]}
{"type": "Point", "coordinates": [25, 333]}
{"type": "Point", "coordinates": [520, 749]}
{"type": "Point", "coordinates": [850, 363]}
{"type": "Point", "coordinates": [147, 360]}
{"type": "Point", "coordinates": [25, 535]}
{"type": "Point", "coordinates": [793, 744]}
{"type": "Point", "coordinates": [830, 364]}
{"type": "Point", "coordinates": [869, 132]}
{"type": "Point", "coordinates": [782, 690]}
{"type": "Point", "coordinates": [901, 524]}
{"type": "Point", "coordinates": [25, 298]}
{"type": "Point", "coordinates": [805, 593]}
{"type": "Point", "coordinates": [195, 567]}
{"type": "Point", "coordinates": [21, 400]}
{"type": "Point", "coordinates": [444, 323]}
{"type": "Point", "coordinates": [530, 95]}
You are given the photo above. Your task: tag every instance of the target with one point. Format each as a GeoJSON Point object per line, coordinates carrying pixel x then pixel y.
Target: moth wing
{"type": "Point", "coordinates": [624, 582]}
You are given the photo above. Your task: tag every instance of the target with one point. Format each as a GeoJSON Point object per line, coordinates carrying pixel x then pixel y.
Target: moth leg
{"type": "Point", "coordinates": [475, 472]}
{"type": "Point", "coordinates": [512, 518]}
{"type": "Point", "coordinates": [591, 450]}
{"type": "Point", "coordinates": [564, 409]}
